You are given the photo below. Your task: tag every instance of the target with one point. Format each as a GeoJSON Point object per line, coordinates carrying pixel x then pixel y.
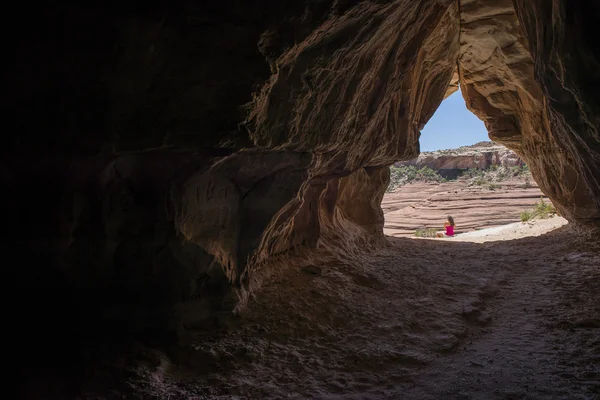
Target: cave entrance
{"type": "Point", "coordinates": [452, 126]}
{"type": "Point", "coordinates": [460, 172]}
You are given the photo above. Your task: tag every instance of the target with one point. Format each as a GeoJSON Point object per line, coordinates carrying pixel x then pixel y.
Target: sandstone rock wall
{"type": "Point", "coordinates": [159, 152]}
{"type": "Point", "coordinates": [163, 151]}
{"type": "Point", "coordinates": [499, 85]}
{"type": "Point", "coordinates": [566, 58]}
{"type": "Point", "coordinates": [470, 157]}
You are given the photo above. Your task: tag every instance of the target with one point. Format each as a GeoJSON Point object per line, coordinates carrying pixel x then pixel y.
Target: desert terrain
{"type": "Point", "coordinates": [426, 205]}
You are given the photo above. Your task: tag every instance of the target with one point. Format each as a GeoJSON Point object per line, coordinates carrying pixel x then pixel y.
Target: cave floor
{"type": "Point", "coordinates": [420, 319]}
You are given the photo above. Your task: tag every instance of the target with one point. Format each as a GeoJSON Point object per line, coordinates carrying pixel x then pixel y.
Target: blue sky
{"type": "Point", "coordinates": [452, 126]}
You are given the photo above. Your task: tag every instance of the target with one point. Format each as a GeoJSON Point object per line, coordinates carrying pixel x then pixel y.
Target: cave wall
{"type": "Point", "coordinates": [566, 56]}
{"type": "Point", "coordinates": [503, 86]}
{"type": "Point", "coordinates": [161, 152]}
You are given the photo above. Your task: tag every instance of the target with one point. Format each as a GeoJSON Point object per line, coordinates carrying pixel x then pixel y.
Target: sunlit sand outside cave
{"type": "Point", "coordinates": [486, 188]}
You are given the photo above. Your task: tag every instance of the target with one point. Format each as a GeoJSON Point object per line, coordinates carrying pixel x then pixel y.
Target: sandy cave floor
{"type": "Point", "coordinates": [420, 319]}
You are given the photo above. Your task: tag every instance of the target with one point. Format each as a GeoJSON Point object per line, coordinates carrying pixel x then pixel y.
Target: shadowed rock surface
{"type": "Point", "coordinates": [161, 153]}
{"type": "Point", "coordinates": [518, 99]}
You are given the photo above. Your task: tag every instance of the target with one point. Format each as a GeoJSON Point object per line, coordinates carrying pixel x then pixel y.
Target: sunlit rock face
{"type": "Point", "coordinates": [159, 153]}
{"type": "Point", "coordinates": [481, 155]}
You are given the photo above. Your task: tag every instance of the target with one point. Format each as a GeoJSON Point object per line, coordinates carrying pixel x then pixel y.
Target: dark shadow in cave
{"type": "Point", "coordinates": [420, 312]}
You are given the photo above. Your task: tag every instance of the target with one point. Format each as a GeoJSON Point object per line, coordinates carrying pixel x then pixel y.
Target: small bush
{"type": "Point", "coordinates": [541, 210]}
{"type": "Point", "coordinates": [544, 210]}
{"type": "Point", "coordinates": [426, 232]}
{"type": "Point", "coordinates": [472, 173]}
{"type": "Point", "coordinates": [526, 215]}
{"type": "Point", "coordinates": [401, 175]}
{"type": "Point", "coordinates": [481, 181]}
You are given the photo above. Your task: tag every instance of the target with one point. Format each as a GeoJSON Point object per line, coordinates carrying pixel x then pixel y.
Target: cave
{"type": "Point", "coordinates": [164, 155]}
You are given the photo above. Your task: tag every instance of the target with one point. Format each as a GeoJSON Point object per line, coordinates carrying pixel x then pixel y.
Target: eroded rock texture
{"type": "Point", "coordinates": [500, 87]}
{"type": "Point", "coordinates": [164, 151]}
{"type": "Point", "coordinates": [451, 163]}
{"type": "Point", "coordinates": [567, 66]}
{"type": "Point", "coordinates": [161, 152]}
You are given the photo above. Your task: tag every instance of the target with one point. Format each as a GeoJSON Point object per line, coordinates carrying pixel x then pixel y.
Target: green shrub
{"type": "Point", "coordinates": [481, 181]}
{"type": "Point", "coordinates": [541, 210]}
{"type": "Point", "coordinates": [401, 175]}
{"type": "Point", "coordinates": [544, 210]}
{"type": "Point", "coordinates": [493, 174]}
{"type": "Point", "coordinates": [473, 173]}
{"type": "Point", "coordinates": [426, 232]}
{"type": "Point", "coordinates": [526, 215]}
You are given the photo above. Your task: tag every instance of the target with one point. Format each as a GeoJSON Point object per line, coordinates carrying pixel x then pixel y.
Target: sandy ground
{"type": "Point", "coordinates": [516, 230]}
{"type": "Point", "coordinates": [419, 319]}
{"type": "Point", "coordinates": [426, 205]}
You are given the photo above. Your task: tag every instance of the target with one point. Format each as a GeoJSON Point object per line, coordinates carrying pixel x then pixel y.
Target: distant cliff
{"type": "Point", "coordinates": [482, 155]}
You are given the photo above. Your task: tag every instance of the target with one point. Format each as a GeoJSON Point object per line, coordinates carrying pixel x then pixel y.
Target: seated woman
{"type": "Point", "coordinates": [449, 227]}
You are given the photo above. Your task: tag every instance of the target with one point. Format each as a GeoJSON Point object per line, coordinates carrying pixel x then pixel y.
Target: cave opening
{"type": "Point", "coordinates": [460, 172]}
{"type": "Point", "coordinates": [193, 200]}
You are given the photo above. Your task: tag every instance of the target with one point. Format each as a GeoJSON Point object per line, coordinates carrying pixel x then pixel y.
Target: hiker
{"type": "Point", "coordinates": [449, 226]}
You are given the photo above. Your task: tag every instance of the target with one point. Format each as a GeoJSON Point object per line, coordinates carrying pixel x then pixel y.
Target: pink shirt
{"type": "Point", "coordinates": [449, 230]}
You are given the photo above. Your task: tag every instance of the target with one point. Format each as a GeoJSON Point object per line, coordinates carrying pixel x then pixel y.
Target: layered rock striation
{"type": "Point", "coordinates": [478, 156]}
